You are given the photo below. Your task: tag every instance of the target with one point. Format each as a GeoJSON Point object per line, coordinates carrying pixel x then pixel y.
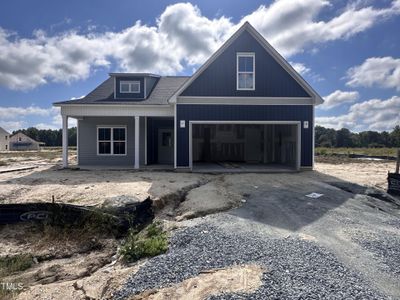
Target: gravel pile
{"type": "Point", "coordinates": [384, 245]}
{"type": "Point", "coordinates": [294, 268]}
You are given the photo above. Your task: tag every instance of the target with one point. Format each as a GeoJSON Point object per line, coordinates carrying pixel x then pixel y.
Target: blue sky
{"type": "Point", "coordinates": [349, 51]}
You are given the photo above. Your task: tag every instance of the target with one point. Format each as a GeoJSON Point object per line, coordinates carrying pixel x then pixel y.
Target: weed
{"type": "Point", "coordinates": [149, 242]}
{"type": "Point", "coordinates": [16, 263]}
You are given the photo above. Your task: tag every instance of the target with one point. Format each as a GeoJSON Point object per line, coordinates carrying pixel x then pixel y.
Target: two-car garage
{"type": "Point", "coordinates": [237, 145]}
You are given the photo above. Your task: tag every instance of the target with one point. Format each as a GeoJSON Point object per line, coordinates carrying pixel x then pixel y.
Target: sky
{"type": "Point", "coordinates": [349, 51]}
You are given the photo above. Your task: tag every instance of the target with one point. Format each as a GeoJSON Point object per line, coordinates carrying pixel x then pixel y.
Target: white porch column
{"type": "Point", "coordinates": [65, 141]}
{"type": "Point", "coordinates": [137, 142]}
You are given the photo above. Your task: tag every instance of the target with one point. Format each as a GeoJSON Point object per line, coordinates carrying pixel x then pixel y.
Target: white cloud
{"type": "Point", "coordinates": [14, 118]}
{"type": "Point", "coordinates": [10, 126]}
{"type": "Point", "coordinates": [182, 38]}
{"type": "Point", "coordinates": [9, 113]}
{"type": "Point", "coordinates": [374, 114]}
{"type": "Point", "coordinates": [339, 97]}
{"type": "Point", "coordinates": [300, 68]}
{"type": "Point", "coordinates": [291, 25]}
{"type": "Point", "coordinates": [382, 72]}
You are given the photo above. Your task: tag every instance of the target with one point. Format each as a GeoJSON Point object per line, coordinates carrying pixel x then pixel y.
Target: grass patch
{"type": "Point", "coordinates": [16, 263]}
{"type": "Point", "coordinates": [360, 151]}
{"type": "Point", "coordinates": [62, 226]}
{"type": "Point", "coordinates": [149, 242]}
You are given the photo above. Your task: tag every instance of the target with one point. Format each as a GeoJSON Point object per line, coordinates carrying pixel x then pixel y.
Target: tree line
{"type": "Point", "coordinates": [327, 137]}
{"type": "Point", "coordinates": [52, 138]}
{"type": "Point", "coordinates": [324, 137]}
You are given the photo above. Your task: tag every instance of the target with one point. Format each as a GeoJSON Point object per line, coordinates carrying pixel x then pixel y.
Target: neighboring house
{"type": "Point", "coordinates": [22, 142]}
{"type": "Point", "coordinates": [4, 140]}
{"type": "Point", "coordinates": [246, 106]}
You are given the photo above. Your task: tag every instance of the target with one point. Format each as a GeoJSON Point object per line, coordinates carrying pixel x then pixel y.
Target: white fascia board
{"type": "Point", "coordinates": [212, 58]}
{"type": "Point", "coordinates": [247, 100]}
{"type": "Point", "coordinates": [282, 61]}
{"type": "Point", "coordinates": [117, 110]}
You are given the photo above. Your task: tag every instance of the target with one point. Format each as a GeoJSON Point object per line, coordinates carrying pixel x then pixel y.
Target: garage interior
{"type": "Point", "coordinates": [244, 146]}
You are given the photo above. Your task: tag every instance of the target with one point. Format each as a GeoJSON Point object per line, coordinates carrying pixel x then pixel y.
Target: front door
{"type": "Point", "coordinates": [165, 146]}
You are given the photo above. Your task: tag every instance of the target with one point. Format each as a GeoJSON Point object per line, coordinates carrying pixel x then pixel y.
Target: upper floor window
{"type": "Point", "coordinates": [129, 87]}
{"type": "Point", "coordinates": [245, 71]}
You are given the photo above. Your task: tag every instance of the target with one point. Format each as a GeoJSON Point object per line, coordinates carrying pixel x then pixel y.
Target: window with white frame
{"type": "Point", "coordinates": [129, 87]}
{"type": "Point", "coordinates": [111, 140]}
{"type": "Point", "coordinates": [245, 71]}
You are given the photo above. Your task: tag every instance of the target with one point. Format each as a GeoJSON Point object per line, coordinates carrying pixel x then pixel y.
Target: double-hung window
{"type": "Point", "coordinates": [129, 87]}
{"type": "Point", "coordinates": [111, 140]}
{"type": "Point", "coordinates": [245, 63]}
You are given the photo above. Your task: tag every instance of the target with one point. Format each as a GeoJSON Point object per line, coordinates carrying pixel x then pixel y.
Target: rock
{"type": "Point", "coordinates": [119, 201]}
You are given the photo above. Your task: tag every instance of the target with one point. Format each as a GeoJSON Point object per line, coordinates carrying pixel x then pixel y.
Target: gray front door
{"type": "Point", "coordinates": [165, 146]}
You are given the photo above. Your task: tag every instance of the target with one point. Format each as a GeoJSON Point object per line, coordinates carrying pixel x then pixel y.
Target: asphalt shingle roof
{"type": "Point", "coordinates": [104, 93]}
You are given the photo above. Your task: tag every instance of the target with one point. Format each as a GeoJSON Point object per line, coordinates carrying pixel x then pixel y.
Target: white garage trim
{"type": "Point", "coordinates": [297, 123]}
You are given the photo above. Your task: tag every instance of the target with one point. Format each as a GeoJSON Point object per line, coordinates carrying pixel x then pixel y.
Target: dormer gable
{"type": "Point", "coordinates": [133, 86]}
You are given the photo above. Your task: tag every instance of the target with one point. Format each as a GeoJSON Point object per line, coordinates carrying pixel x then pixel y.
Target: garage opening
{"type": "Point", "coordinates": [245, 146]}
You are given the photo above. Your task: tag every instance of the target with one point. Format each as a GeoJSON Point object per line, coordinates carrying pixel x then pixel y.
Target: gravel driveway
{"type": "Point", "coordinates": [339, 246]}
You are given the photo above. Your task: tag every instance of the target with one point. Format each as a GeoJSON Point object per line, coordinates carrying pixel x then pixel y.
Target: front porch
{"type": "Point", "coordinates": [145, 142]}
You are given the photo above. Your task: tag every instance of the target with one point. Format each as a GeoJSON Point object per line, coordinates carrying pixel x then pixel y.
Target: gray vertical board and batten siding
{"type": "Point", "coordinates": [219, 79]}
{"type": "Point", "coordinates": [201, 112]}
{"type": "Point", "coordinates": [88, 141]}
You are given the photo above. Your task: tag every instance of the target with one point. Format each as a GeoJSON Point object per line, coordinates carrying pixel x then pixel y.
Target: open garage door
{"type": "Point", "coordinates": [245, 146]}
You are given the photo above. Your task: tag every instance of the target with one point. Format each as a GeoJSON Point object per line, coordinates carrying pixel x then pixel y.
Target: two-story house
{"type": "Point", "coordinates": [244, 108]}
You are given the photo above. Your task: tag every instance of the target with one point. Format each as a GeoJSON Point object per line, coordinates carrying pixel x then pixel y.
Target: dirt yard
{"type": "Point", "coordinates": [79, 268]}
{"type": "Point", "coordinates": [364, 172]}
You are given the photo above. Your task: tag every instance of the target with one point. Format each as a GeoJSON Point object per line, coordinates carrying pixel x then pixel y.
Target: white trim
{"type": "Point", "coordinates": [175, 138]}
{"type": "Point", "coordinates": [77, 141]}
{"type": "Point", "coordinates": [313, 138]}
{"type": "Point", "coordinates": [111, 127]}
{"type": "Point", "coordinates": [65, 141]}
{"type": "Point", "coordinates": [137, 142]}
{"type": "Point", "coordinates": [245, 54]}
{"type": "Point", "coordinates": [297, 123]}
{"type": "Point", "coordinates": [246, 26]}
{"type": "Point", "coordinates": [117, 110]}
{"type": "Point", "coordinates": [145, 140]}
{"type": "Point", "coordinates": [130, 83]}
{"type": "Point", "coordinates": [246, 100]}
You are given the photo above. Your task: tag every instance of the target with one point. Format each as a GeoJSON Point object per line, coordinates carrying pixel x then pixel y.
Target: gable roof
{"type": "Point", "coordinates": [317, 99]}
{"type": "Point", "coordinates": [104, 93]}
{"type": "Point", "coordinates": [3, 131]}
{"type": "Point", "coordinates": [25, 136]}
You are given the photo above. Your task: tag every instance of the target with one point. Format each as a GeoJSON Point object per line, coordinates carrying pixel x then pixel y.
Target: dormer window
{"type": "Point", "coordinates": [129, 87]}
{"type": "Point", "coordinates": [245, 77]}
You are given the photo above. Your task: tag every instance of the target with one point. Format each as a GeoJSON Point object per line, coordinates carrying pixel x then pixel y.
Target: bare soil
{"type": "Point", "coordinates": [362, 172]}
{"type": "Point", "coordinates": [244, 279]}
{"type": "Point", "coordinates": [68, 267]}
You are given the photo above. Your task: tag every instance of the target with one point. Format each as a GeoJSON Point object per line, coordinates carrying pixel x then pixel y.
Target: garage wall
{"type": "Point", "coordinates": [199, 112]}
